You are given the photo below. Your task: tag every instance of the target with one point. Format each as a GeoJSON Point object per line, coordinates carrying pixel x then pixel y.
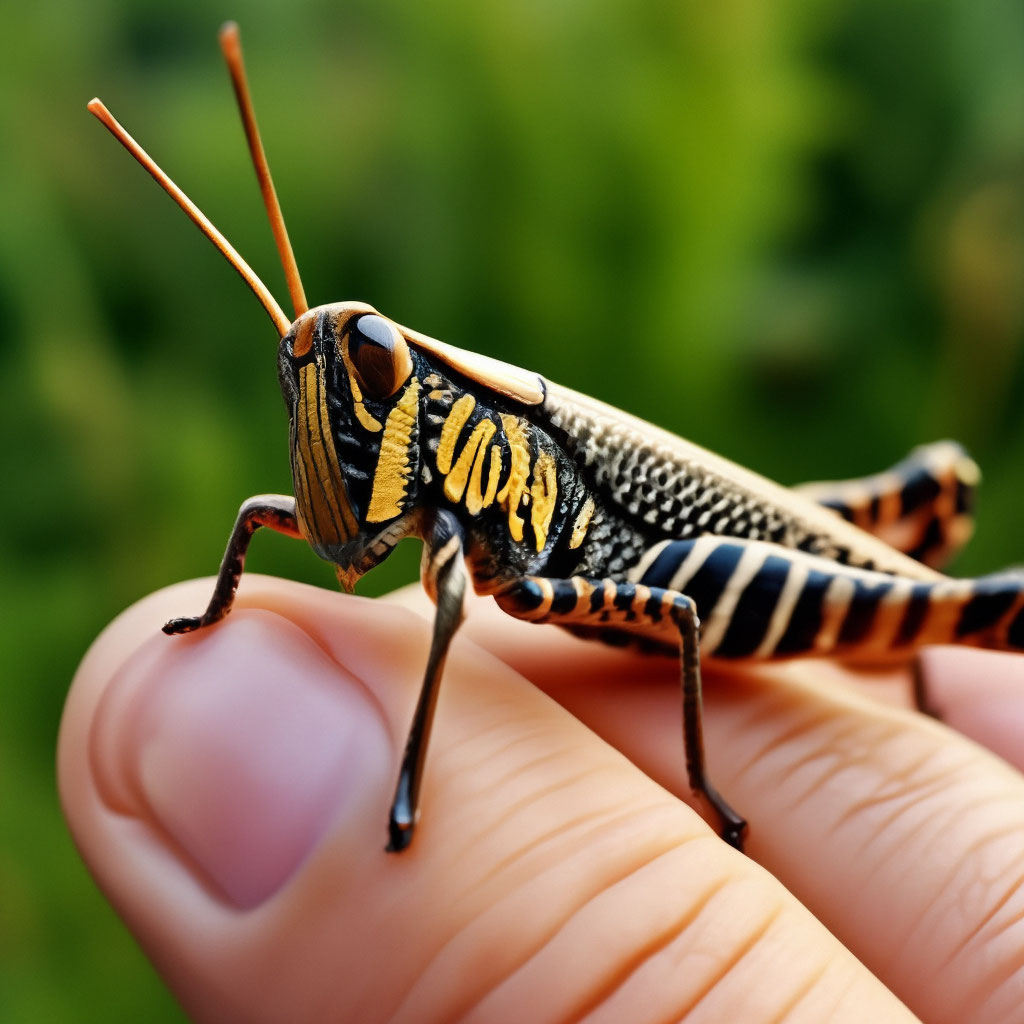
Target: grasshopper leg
{"type": "Point", "coordinates": [731, 826]}
{"type": "Point", "coordinates": [654, 613]}
{"type": "Point", "coordinates": [276, 511]}
{"type": "Point", "coordinates": [444, 578]}
{"type": "Point", "coordinates": [921, 506]}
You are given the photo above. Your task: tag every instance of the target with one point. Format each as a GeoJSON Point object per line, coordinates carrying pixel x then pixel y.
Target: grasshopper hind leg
{"type": "Point", "coordinates": [667, 618]}
{"type": "Point", "coordinates": [922, 506]}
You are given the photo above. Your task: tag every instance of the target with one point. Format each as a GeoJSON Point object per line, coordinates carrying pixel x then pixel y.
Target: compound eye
{"type": "Point", "coordinates": [380, 356]}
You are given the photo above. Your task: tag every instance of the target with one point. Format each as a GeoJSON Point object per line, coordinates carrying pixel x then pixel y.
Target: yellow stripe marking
{"type": "Point", "coordinates": [450, 431]}
{"type": "Point", "coordinates": [455, 482]}
{"type": "Point", "coordinates": [783, 611]}
{"type": "Point", "coordinates": [888, 487]}
{"type": "Point", "coordinates": [583, 591]}
{"type": "Point", "coordinates": [475, 500]}
{"type": "Point", "coordinates": [694, 560]}
{"type": "Point", "coordinates": [544, 491]}
{"type": "Point", "coordinates": [303, 337]}
{"type": "Point", "coordinates": [641, 596]}
{"type": "Point", "coordinates": [338, 490]}
{"type": "Point", "coordinates": [945, 603]}
{"type": "Point", "coordinates": [834, 606]}
{"type": "Point", "coordinates": [717, 622]}
{"type": "Point", "coordinates": [332, 518]}
{"type": "Point", "coordinates": [549, 594]}
{"type": "Point", "coordinates": [302, 502]}
{"type": "Point", "coordinates": [492, 477]}
{"type": "Point", "coordinates": [646, 561]}
{"type": "Point", "coordinates": [509, 497]}
{"type": "Point", "coordinates": [579, 528]}
{"type": "Point", "coordinates": [888, 617]}
{"type": "Point", "coordinates": [391, 477]}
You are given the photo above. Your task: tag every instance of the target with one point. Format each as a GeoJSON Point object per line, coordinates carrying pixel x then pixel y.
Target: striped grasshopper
{"type": "Point", "coordinates": [569, 511]}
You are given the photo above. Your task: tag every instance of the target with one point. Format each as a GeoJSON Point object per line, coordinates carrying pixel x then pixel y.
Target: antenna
{"type": "Point", "coordinates": [260, 290]}
{"type": "Point", "coordinates": [231, 47]}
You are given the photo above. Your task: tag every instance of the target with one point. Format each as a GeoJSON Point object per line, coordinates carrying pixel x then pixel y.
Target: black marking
{"type": "Point", "coordinates": [806, 619]}
{"type": "Point", "coordinates": [874, 507]}
{"type": "Point", "coordinates": [964, 498]}
{"type": "Point", "coordinates": [1015, 634]}
{"type": "Point", "coordinates": [615, 638]}
{"type": "Point", "coordinates": [653, 608]}
{"type": "Point", "coordinates": [990, 602]}
{"type": "Point", "coordinates": [753, 613]}
{"type": "Point", "coordinates": [707, 585]}
{"type": "Point", "coordinates": [625, 595]}
{"type": "Point", "coordinates": [919, 488]}
{"type": "Point", "coordinates": [840, 507]}
{"type": "Point", "coordinates": [932, 539]}
{"type": "Point", "coordinates": [863, 607]}
{"type": "Point", "coordinates": [565, 597]}
{"type": "Point", "coordinates": [526, 596]}
{"type": "Point", "coordinates": [913, 618]}
{"type": "Point", "coordinates": [663, 568]}
{"type": "Point", "coordinates": [597, 598]}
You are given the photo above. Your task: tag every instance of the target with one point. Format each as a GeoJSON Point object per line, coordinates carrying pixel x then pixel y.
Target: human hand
{"type": "Point", "coordinates": [229, 791]}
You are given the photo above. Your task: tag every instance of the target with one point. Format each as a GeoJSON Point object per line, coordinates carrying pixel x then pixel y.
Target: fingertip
{"type": "Point", "coordinates": [980, 694]}
{"type": "Point", "coordinates": [204, 776]}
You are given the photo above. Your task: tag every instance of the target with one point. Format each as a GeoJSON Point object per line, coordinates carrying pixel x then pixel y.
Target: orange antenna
{"type": "Point", "coordinates": [231, 47]}
{"type": "Point", "coordinates": [260, 290]}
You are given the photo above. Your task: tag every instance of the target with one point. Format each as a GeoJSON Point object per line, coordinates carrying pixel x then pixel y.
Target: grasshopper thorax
{"type": "Point", "coordinates": [348, 381]}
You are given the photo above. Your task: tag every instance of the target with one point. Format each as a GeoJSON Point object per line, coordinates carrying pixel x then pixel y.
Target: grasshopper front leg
{"type": "Point", "coordinates": [276, 511]}
{"type": "Point", "coordinates": [444, 578]}
{"type": "Point", "coordinates": [663, 615]}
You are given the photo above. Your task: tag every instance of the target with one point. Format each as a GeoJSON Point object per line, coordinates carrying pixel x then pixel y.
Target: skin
{"type": "Point", "coordinates": [229, 792]}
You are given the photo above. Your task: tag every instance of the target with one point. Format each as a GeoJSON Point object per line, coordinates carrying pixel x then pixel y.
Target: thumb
{"type": "Point", "coordinates": [229, 791]}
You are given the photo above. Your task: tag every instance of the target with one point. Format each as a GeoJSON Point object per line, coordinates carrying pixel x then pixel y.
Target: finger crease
{"type": "Point", "coordinates": [605, 885]}
{"type": "Point", "coordinates": [655, 945]}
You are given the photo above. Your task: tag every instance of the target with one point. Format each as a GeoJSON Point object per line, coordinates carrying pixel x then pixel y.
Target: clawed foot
{"type": "Point", "coordinates": [734, 832]}
{"type": "Point", "coordinates": [402, 816]}
{"type": "Point", "coordinates": [399, 835]}
{"type": "Point", "coordinates": [183, 625]}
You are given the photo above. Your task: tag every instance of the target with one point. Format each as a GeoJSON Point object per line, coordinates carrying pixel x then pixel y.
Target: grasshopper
{"type": "Point", "coordinates": [569, 511]}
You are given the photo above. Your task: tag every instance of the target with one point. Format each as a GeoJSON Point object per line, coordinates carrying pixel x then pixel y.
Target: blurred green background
{"type": "Point", "coordinates": [791, 231]}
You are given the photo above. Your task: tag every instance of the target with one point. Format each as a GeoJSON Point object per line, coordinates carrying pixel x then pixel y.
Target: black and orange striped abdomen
{"type": "Point", "coordinates": [759, 600]}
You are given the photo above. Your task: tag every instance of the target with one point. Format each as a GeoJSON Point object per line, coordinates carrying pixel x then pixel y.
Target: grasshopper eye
{"type": "Point", "coordinates": [379, 355]}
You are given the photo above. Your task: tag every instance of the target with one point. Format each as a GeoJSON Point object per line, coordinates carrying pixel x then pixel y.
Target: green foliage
{"type": "Point", "coordinates": [790, 231]}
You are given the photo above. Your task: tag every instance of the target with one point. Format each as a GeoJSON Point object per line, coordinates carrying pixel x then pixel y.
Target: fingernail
{"type": "Point", "coordinates": [245, 744]}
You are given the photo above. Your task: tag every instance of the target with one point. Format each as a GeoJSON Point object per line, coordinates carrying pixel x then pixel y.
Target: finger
{"type": "Point", "coordinates": [981, 694]}
{"type": "Point", "coordinates": [906, 839]}
{"type": "Point", "coordinates": [229, 792]}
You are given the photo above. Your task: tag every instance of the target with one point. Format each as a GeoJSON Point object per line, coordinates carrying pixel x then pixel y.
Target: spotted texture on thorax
{"type": "Point", "coordinates": [673, 497]}
{"type": "Point", "coordinates": [669, 488]}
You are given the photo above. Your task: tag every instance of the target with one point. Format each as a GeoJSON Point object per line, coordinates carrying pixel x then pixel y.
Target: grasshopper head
{"type": "Point", "coordinates": [347, 377]}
